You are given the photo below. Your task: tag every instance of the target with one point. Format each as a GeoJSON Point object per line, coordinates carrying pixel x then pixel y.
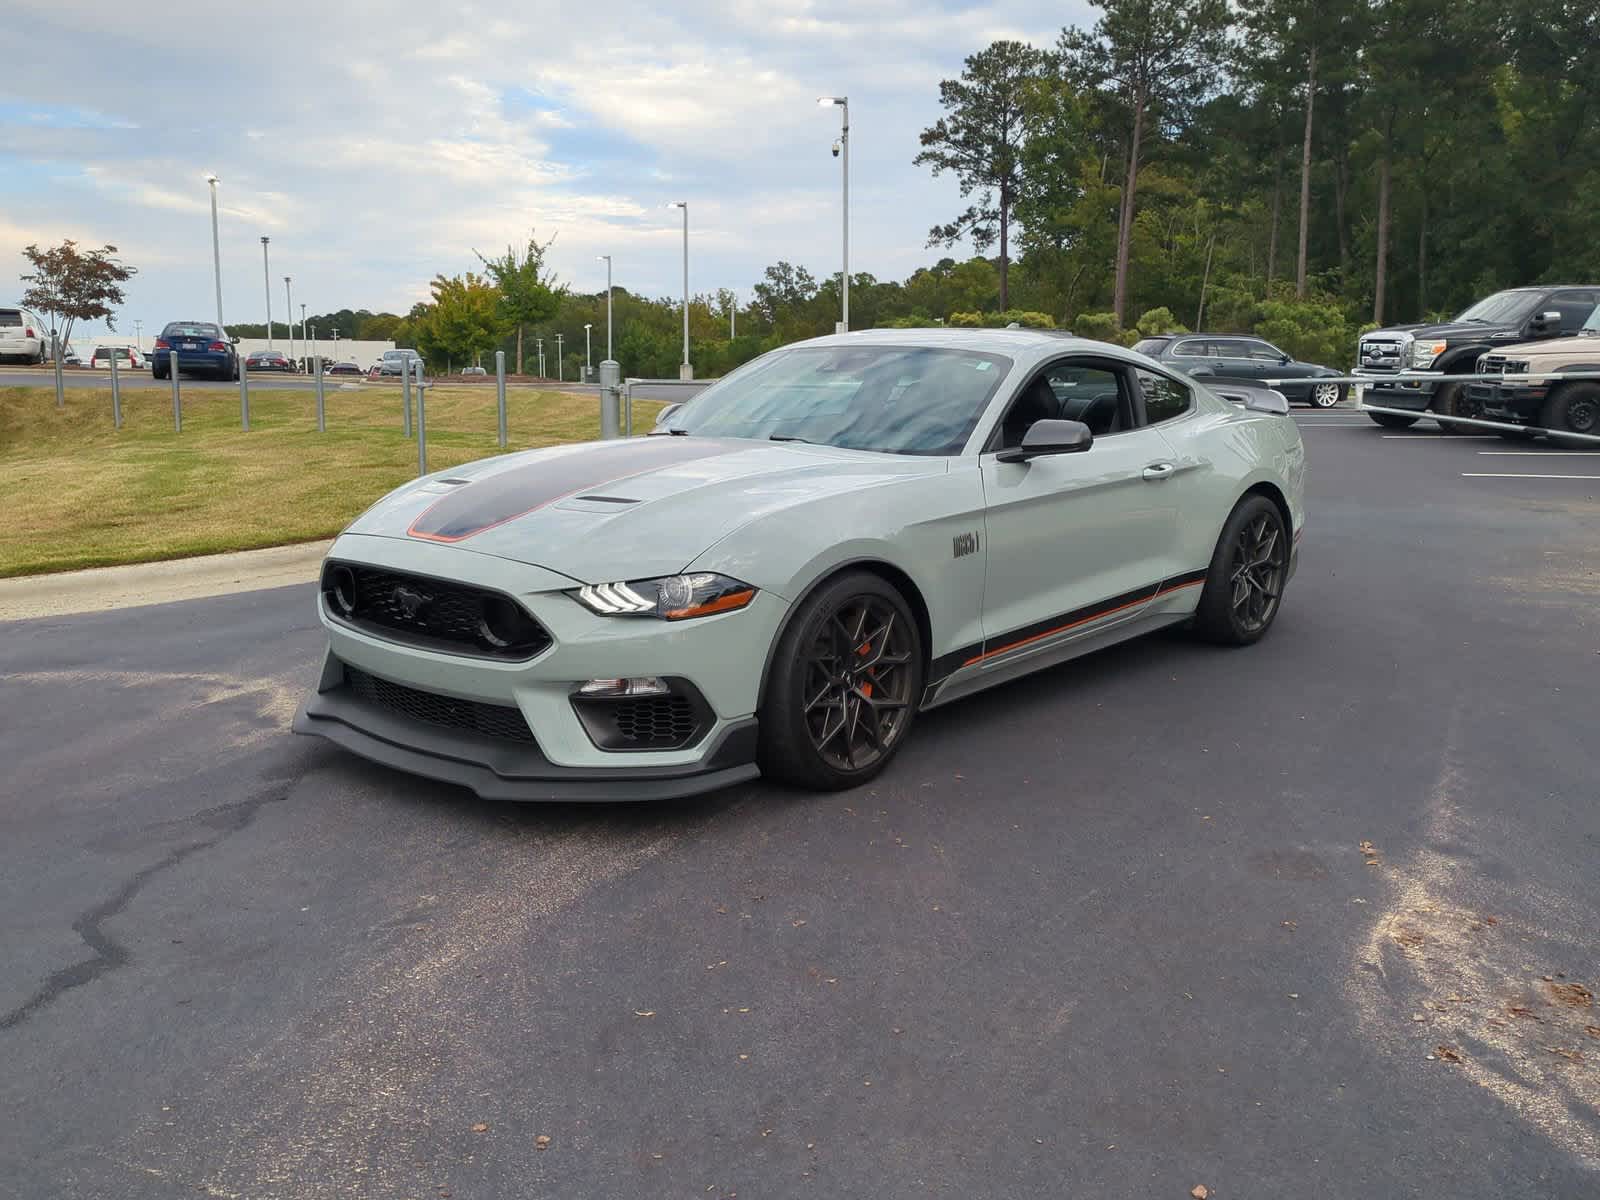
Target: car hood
{"type": "Point", "coordinates": [1587, 344]}
{"type": "Point", "coordinates": [1449, 330]}
{"type": "Point", "coordinates": [629, 509]}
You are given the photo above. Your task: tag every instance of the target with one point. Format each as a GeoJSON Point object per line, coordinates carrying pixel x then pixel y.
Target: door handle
{"type": "Point", "coordinates": [1160, 470]}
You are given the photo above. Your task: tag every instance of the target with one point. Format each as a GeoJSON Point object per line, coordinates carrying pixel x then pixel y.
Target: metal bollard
{"type": "Point", "coordinates": [422, 429]}
{"type": "Point", "coordinates": [321, 422]}
{"type": "Point", "coordinates": [405, 387]}
{"type": "Point", "coordinates": [610, 398]}
{"type": "Point", "coordinates": [116, 394]}
{"type": "Point", "coordinates": [177, 401]}
{"type": "Point", "coordinates": [500, 390]}
{"type": "Point", "coordinates": [244, 396]}
{"type": "Point", "coordinates": [55, 358]}
{"type": "Point", "coordinates": [627, 408]}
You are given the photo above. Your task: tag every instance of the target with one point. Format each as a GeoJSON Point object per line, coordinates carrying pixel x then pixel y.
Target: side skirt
{"type": "Point", "coordinates": [968, 680]}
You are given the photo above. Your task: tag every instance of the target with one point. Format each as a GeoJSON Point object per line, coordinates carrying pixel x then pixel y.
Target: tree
{"type": "Point", "coordinates": [1154, 59]}
{"type": "Point", "coordinates": [70, 285]}
{"type": "Point", "coordinates": [529, 295]}
{"type": "Point", "coordinates": [464, 320]}
{"type": "Point", "coordinates": [979, 140]}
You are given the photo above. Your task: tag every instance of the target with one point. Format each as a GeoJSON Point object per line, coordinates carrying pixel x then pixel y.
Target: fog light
{"type": "Point", "coordinates": [343, 589]}
{"type": "Point", "coordinates": [647, 685]}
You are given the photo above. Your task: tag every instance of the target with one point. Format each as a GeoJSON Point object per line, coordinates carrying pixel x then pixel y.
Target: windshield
{"type": "Point", "coordinates": [191, 330]}
{"type": "Point", "coordinates": [1502, 308]}
{"type": "Point", "coordinates": [1150, 346]}
{"type": "Point", "coordinates": [894, 399]}
{"type": "Point", "coordinates": [1592, 325]}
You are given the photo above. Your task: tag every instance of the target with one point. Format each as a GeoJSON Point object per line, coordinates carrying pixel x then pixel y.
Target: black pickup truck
{"type": "Point", "coordinates": [1503, 319]}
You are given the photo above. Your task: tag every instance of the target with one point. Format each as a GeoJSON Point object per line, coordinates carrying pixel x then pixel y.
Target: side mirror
{"type": "Point", "coordinates": [1285, 359]}
{"type": "Point", "coordinates": [1545, 322]}
{"type": "Point", "coordinates": [664, 414]}
{"type": "Point", "coordinates": [234, 340]}
{"type": "Point", "coordinates": [1049, 437]}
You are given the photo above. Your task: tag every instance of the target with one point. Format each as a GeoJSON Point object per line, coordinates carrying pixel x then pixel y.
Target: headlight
{"type": "Point", "coordinates": [671, 598]}
{"type": "Point", "coordinates": [1423, 353]}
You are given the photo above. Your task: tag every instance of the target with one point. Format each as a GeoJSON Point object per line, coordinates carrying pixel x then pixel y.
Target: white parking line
{"type": "Point", "coordinates": [1540, 453]}
{"type": "Point", "coordinates": [1440, 438]}
{"type": "Point", "coordinates": [1507, 475]}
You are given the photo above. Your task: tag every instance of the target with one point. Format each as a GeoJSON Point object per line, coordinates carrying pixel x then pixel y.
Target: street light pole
{"type": "Point", "coordinates": [216, 248]}
{"type": "Point", "coordinates": [266, 276]}
{"type": "Point", "coordinates": [138, 336]}
{"type": "Point", "coordinates": [559, 379]}
{"type": "Point", "coordinates": [606, 258]}
{"type": "Point", "coordinates": [588, 355]}
{"type": "Point", "coordinates": [733, 316]}
{"type": "Point", "coordinates": [288, 299]}
{"type": "Point", "coordinates": [843, 103]}
{"type": "Point", "coordinates": [685, 371]}
{"type": "Point", "coordinates": [303, 333]}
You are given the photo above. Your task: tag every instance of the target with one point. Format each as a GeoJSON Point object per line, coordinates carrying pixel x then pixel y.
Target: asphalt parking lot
{"type": "Point", "coordinates": [1314, 918]}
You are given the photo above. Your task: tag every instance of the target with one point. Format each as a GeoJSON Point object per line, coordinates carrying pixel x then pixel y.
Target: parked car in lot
{"type": "Point", "coordinates": [811, 551]}
{"type": "Point", "coordinates": [126, 356]}
{"type": "Point", "coordinates": [269, 360]}
{"type": "Point", "coordinates": [393, 361]}
{"type": "Point", "coordinates": [475, 372]}
{"type": "Point", "coordinates": [1241, 358]}
{"type": "Point", "coordinates": [22, 337]}
{"type": "Point", "coordinates": [344, 368]}
{"type": "Point", "coordinates": [203, 347]}
{"type": "Point", "coordinates": [1508, 318]}
{"type": "Point", "coordinates": [1570, 405]}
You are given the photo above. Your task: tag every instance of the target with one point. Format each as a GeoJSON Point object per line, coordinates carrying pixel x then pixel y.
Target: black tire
{"type": "Point", "coordinates": [819, 672]}
{"type": "Point", "coordinates": [1325, 395]}
{"type": "Point", "coordinates": [1574, 407]}
{"type": "Point", "coordinates": [1390, 421]}
{"type": "Point", "coordinates": [1452, 400]}
{"type": "Point", "coordinates": [1244, 584]}
{"type": "Point", "coordinates": [1520, 435]}
{"type": "Point", "coordinates": [158, 373]}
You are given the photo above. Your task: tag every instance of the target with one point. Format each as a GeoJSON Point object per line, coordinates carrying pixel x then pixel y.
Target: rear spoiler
{"type": "Point", "coordinates": [1256, 397]}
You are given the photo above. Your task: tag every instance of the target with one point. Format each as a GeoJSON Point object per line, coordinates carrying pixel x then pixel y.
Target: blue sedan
{"type": "Point", "coordinates": [202, 348]}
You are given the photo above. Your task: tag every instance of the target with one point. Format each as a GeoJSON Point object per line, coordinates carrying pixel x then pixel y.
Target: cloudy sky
{"type": "Point", "coordinates": [377, 143]}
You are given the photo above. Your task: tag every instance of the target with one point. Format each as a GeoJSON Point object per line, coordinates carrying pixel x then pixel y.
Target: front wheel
{"type": "Point", "coordinates": [1326, 395]}
{"type": "Point", "coordinates": [1576, 408]}
{"type": "Point", "coordinates": [1390, 421]}
{"type": "Point", "coordinates": [1245, 581]}
{"type": "Point", "coordinates": [846, 678]}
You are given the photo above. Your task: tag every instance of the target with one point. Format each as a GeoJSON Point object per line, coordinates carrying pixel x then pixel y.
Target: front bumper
{"type": "Point", "coordinates": [1509, 403]}
{"type": "Point", "coordinates": [500, 770]}
{"type": "Point", "coordinates": [720, 658]}
{"type": "Point", "coordinates": [1413, 397]}
{"type": "Point", "coordinates": [20, 347]}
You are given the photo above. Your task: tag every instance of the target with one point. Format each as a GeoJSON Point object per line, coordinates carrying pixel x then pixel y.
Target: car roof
{"type": "Point", "coordinates": [1024, 346]}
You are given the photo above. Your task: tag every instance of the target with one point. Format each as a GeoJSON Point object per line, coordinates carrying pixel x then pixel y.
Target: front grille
{"type": "Point", "coordinates": [489, 720]}
{"type": "Point", "coordinates": [429, 612]}
{"type": "Point", "coordinates": [1381, 355]}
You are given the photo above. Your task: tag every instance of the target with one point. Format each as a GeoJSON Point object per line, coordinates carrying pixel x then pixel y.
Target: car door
{"type": "Point", "coordinates": [1076, 542]}
{"type": "Point", "coordinates": [1267, 362]}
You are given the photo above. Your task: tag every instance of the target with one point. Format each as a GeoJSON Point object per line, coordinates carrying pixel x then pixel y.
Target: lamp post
{"type": "Point", "coordinates": [138, 336]}
{"type": "Point", "coordinates": [842, 146]}
{"type": "Point", "coordinates": [288, 300]}
{"type": "Point", "coordinates": [588, 356]}
{"type": "Point", "coordinates": [216, 248]}
{"type": "Point", "coordinates": [303, 335]}
{"type": "Point", "coordinates": [606, 258]}
{"type": "Point", "coordinates": [559, 378]}
{"type": "Point", "coordinates": [685, 371]}
{"type": "Point", "coordinates": [266, 277]}
{"type": "Point", "coordinates": [733, 316]}
{"type": "Point", "coordinates": [539, 342]}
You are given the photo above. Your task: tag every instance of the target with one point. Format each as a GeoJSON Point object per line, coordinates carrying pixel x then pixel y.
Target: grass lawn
{"type": "Point", "coordinates": [78, 493]}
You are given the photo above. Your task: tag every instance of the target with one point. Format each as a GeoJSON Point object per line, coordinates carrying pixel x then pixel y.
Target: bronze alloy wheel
{"type": "Point", "coordinates": [857, 682]}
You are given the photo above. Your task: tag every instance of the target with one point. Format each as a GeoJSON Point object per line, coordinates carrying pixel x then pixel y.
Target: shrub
{"type": "Point", "coordinates": [1311, 330]}
{"type": "Point", "coordinates": [1103, 327]}
{"type": "Point", "coordinates": [1159, 320]}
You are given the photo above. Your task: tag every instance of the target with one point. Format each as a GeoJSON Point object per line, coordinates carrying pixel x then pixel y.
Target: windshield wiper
{"type": "Point", "coordinates": [790, 437]}
{"type": "Point", "coordinates": [668, 433]}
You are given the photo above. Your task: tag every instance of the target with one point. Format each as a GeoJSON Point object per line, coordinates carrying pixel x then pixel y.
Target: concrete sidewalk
{"type": "Point", "coordinates": [102, 588]}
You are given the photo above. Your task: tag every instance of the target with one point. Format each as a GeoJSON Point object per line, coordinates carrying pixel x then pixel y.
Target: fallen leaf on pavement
{"type": "Point", "coordinates": [1573, 995]}
{"type": "Point", "coordinates": [1199, 1191]}
{"type": "Point", "coordinates": [542, 1141]}
{"type": "Point", "coordinates": [1368, 849]}
{"type": "Point", "coordinates": [1447, 1053]}
{"type": "Point", "coordinates": [1569, 1055]}
{"type": "Point", "coordinates": [480, 1127]}
{"type": "Point", "coordinates": [644, 1012]}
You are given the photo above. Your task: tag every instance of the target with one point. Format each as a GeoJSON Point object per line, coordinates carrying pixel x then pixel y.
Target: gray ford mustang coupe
{"type": "Point", "coordinates": [800, 559]}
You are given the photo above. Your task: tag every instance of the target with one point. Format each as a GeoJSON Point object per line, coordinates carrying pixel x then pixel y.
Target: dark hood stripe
{"type": "Point", "coordinates": [507, 495]}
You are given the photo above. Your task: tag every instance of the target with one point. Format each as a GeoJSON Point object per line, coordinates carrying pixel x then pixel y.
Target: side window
{"type": "Point", "coordinates": [1575, 308]}
{"type": "Point", "coordinates": [1191, 349]}
{"type": "Point", "coordinates": [1164, 398]}
{"type": "Point", "coordinates": [1095, 393]}
{"type": "Point", "coordinates": [1264, 352]}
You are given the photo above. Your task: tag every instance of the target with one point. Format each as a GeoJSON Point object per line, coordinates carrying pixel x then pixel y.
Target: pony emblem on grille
{"type": "Point", "coordinates": [412, 602]}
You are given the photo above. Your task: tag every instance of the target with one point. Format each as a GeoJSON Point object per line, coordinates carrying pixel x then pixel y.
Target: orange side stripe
{"type": "Point", "coordinates": [1028, 641]}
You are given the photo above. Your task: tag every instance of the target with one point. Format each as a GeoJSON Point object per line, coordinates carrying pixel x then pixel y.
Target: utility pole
{"type": "Point", "coordinates": [266, 276]}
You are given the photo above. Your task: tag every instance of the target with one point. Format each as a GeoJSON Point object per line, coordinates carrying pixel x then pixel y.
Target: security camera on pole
{"type": "Point", "coordinates": [841, 150]}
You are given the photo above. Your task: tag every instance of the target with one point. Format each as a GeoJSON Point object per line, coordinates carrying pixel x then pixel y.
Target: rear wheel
{"type": "Point", "coordinates": [1326, 395]}
{"type": "Point", "coordinates": [845, 682]}
{"type": "Point", "coordinates": [1574, 407]}
{"type": "Point", "coordinates": [1390, 421]}
{"type": "Point", "coordinates": [1245, 581]}
{"type": "Point", "coordinates": [1453, 400]}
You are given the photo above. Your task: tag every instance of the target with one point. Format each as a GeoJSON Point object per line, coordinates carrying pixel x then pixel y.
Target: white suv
{"type": "Point", "coordinates": [22, 336]}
